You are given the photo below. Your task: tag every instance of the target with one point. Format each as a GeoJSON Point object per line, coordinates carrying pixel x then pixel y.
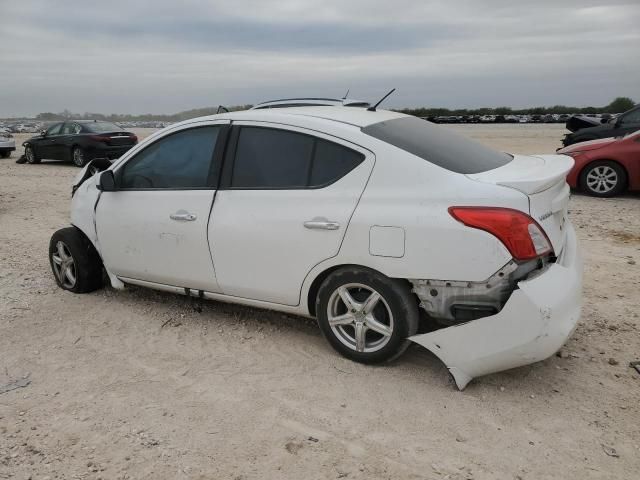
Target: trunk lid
{"type": "Point", "coordinates": [120, 138]}
{"type": "Point", "coordinates": [543, 179]}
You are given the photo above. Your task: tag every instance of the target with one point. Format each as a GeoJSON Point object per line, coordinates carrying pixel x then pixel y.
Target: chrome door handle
{"type": "Point", "coordinates": [321, 225]}
{"type": "Point", "coordinates": [183, 216]}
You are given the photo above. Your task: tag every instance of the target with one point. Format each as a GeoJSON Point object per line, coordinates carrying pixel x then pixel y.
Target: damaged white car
{"type": "Point", "coordinates": [386, 228]}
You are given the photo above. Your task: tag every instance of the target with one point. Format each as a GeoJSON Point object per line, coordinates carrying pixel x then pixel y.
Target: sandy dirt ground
{"type": "Point", "coordinates": [137, 384]}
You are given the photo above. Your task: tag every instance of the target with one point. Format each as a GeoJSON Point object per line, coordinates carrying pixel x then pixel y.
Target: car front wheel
{"type": "Point", "coordinates": [74, 261]}
{"type": "Point", "coordinates": [30, 155]}
{"type": "Point", "coordinates": [366, 316]}
{"type": "Point", "coordinates": [603, 179]}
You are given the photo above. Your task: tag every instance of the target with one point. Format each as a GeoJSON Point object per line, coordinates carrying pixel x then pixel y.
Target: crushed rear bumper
{"type": "Point", "coordinates": [535, 322]}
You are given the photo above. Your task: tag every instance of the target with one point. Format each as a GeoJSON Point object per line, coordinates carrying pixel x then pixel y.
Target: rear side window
{"type": "Point", "coordinates": [268, 158]}
{"type": "Point", "coordinates": [102, 127]}
{"type": "Point", "coordinates": [332, 161]}
{"type": "Point", "coordinates": [180, 161]}
{"type": "Point", "coordinates": [438, 145]}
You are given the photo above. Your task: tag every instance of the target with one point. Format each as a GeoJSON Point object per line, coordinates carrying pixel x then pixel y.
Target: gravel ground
{"type": "Point", "coordinates": [137, 384]}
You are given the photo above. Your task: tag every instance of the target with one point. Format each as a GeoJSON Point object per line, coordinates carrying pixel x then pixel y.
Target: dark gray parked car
{"type": "Point", "coordinates": [619, 126]}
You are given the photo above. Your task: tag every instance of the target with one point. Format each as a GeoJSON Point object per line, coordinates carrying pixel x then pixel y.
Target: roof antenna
{"type": "Point", "coordinates": [346, 94]}
{"type": "Point", "coordinates": [222, 108]}
{"type": "Point", "coordinates": [373, 109]}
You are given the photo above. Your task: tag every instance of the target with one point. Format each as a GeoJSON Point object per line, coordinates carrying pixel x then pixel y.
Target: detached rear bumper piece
{"type": "Point", "coordinates": [535, 322]}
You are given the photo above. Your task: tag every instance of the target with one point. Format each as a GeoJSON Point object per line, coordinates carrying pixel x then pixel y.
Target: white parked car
{"type": "Point", "coordinates": [7, 143]}
{"type": "Point", "coordinates": [385, 227]}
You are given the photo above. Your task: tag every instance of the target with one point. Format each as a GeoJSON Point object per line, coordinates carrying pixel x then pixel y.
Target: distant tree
{"type": "Point", "coordinates": [619, 105]}
{"type": "Point", "coordinates": [47, 116]}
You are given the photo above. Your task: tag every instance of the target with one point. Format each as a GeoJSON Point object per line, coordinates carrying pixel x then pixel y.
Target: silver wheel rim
{"type": "Point", "coordinates": [360, 318]}
{"type": "Point", "coordinates": [64, 267]}
{"type": "Point", "coordinates": [29, 154]}
{"type": "Point", "coordinates": [78, 157]}
{"type": "Point", "coordinates": [602, 179]}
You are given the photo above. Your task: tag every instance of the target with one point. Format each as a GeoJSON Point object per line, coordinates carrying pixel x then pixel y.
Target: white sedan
{"type": "Point", "coordinates": [386, 228]}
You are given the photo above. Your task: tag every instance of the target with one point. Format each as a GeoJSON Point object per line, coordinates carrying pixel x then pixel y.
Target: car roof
{"type": "Point", "coordinates": [357, 117]}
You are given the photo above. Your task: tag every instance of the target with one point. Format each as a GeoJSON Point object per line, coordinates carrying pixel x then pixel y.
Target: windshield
{"type": "Point", "coordinates": [438, 145]}
{"type": "Point", "coordinates": [102, 127]}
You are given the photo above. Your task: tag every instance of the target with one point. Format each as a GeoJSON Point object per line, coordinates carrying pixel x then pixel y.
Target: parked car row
{"type": "Point", "coordinates": [551, 118]}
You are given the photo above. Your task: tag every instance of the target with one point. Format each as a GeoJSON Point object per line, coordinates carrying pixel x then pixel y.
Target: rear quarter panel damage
{"type": "Point", "coordinates": [533, 325]}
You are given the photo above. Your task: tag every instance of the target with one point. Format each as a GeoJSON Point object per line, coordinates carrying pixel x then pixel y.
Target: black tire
{"type": "Point", "coordinates": [30, 155]}
{"type": "Point", "coordinates": [5, 154]}
{"type": "Point", "coordinates": [396, 298]}
{"type": "Point", "coordinates": [86, 265]}
{"type": "Point", "coordinates": [78, 157]}
{"type": "Point", "coordinates": [603, 178]}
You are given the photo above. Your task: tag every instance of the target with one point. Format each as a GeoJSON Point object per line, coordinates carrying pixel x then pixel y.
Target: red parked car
{"type": "Point", "coordinates": [607, 166]}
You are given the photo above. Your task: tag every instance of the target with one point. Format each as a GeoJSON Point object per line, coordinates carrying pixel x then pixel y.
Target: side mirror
{"type": "Point", "coordinates": [107, 181]}
{"type": "Point", "coordinates": [43, 133]}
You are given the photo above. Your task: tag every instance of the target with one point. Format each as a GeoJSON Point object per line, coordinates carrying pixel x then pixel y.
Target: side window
{"type": "Point", "coordinates": [268, 158]}
{"type": "Point", "coordinates": [54, 129]}
{"type": "Point", "coordinates": [332, 162]}
{"type": "Point", "coordinates": [70, 129]}
{"type": "Point", "coordinates": [180, 160]}
{"type": "Point", "coordinates": [631, 118]}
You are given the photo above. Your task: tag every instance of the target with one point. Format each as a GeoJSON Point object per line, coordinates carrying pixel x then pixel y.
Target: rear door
{"type": "Point", "coordinates": [283, 207]}
{"type": "Point", "coordinates": [62, 148]}
{"type": "Point", "coordinates": [154, 227]}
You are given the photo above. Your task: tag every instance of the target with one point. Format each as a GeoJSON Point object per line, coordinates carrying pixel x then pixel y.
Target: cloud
{"type": "Point", "coordinates": [156, 56]}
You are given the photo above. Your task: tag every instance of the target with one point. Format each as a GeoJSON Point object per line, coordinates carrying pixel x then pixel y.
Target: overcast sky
{"type": "Point", "coordinates": [156, 56]}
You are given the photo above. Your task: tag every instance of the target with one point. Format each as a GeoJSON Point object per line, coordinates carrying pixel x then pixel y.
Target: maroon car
{"type": "Point", "coordinates": [607, 166]}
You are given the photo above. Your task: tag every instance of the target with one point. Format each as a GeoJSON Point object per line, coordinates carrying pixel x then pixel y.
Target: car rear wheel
{"type": "Point", "coordinates": [366, 316]}
{"type": "Point", "coordinates": [74, 261]}
{"type": "Point", "coordinates": [603, 179]}
{"type": "Point", "coordinates": [30, 155]}
{"type": "Point", "coordinates": [78, 157]}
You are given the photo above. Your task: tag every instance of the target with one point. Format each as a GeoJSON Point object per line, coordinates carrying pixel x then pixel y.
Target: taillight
{"type": "Point", "coordinates": [520, 233]}
{"type": "Point", "coordinates": [134, 138]}
{"type": "Point", "coordinates": [99, 138]}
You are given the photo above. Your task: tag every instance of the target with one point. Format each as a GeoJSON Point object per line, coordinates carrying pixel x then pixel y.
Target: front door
{"type": "Point", "coordinates": [154, 226]}
{"type": "Point", "coordinates": [46, 146]}
{"type": "Point", "coordinates": [284, 206]}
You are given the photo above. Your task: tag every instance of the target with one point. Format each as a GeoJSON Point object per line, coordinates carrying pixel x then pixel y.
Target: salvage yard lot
{"type": "Point", "coordinates": [139, 384]}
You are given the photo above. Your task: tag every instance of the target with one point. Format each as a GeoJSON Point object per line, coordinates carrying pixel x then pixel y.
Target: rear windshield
{"type": "Point", "coordinates": [438, 145]}
{"type": "Point", "coordinates": [102, 127]}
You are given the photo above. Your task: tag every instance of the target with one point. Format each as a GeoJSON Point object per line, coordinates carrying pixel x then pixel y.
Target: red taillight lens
{"type": "Point", "coordinates": [134, 138]}
{"type": "Point", "coordinates": [99, 138]}
{"type": "Point", "coordinates": [520, 233]}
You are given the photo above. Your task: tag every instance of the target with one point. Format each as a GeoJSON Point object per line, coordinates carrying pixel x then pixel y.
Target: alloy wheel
{"type": "Point", "coordinates": [602, 179]}
{"type": "Point", "coordinates": [360, 317]}
{"type": "Point", "coordinates": [64, 266]}
{"type": "Point", "coordinates": [29, 154]}
{"type": "Point", "coordinates": [78, 157]}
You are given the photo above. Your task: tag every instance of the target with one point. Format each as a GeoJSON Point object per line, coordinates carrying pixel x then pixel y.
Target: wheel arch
{"type": "Point", "coordinates": [612, 160]}
{"type": "Point", "coordinates": [314, 288]}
